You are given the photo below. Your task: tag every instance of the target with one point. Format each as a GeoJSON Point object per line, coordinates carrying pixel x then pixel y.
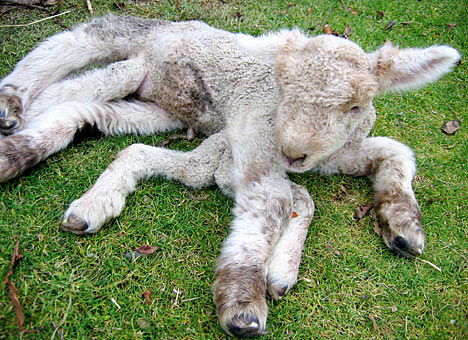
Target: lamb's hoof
{"type": "Point", "coordinates": [75, 225]}
{"type": "Point", "coordinates": [245, 326]}
{"type": "Point", "coordinates": [277, 291]}
{"type": "Point", "coordinates": [10, 112]}
{"type": "Point", "coordinates": [9, 125]}
{"type": "Point", "coordinates": [401, 228]}
{"type": "Point", "coordinates": [400, 246]}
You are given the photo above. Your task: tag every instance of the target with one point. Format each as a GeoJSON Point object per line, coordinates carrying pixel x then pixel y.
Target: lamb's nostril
{"type": "Point", "coordinates": [401, 243]}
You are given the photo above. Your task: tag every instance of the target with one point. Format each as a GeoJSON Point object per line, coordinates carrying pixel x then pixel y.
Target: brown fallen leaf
{"type": "Point", "coordinates": [12, 290]}
{"type": "Point", "coordinates": [347, 32]}
{"type": "Point", "coordinates": [294, 214]}
{"type": "Point", "coordinates": [380, 14]}
{"type": "Point", "coordinates": [147, 249]}
{"type": "Point", "coordinates": [309, 10]}
{"type": "Point", "coordinates": [328, 30]}
{"type": "Point", "coordinates": [391, 24]}
{"type": "Point", "coordinates": [362, 211]}
{"type": "Point", "coordinates": [451, 26]}
{"type": "Point", "coordinates": [146, 296]}
{"type": "Point", "coordinates": [16, 304]}
{"type": "Point", "coordinates": [451, 127]}
{"type": "Point", "coordinates": [353, 12]}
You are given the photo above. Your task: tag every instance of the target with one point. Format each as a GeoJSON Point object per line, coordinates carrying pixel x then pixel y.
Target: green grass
{"type": "Point", "coordinates": [350, 286]}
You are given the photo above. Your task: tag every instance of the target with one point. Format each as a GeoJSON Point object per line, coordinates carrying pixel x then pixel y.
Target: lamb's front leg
{"type": "Point", "coordinates": [283, 264]}
{"type": "Point", "coordinates": [106, 199]}
{"type": "Point", "coordinates": [262, 209]}
{"type": "Point", "coordinates": [391, 166]}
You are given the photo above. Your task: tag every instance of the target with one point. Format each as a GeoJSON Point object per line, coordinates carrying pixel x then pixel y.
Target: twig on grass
{"type": "Point", "coordinates": [115, 303]}
{"type": "Point", "coordinates": [191, 299]}
{"type": "Point", "coordinates": [36, 21]}
{"type": "Point", "coordinates": [12, 290]}
{"type": "Point", "coordinates": [429, 263]}
{"type": "Point", "coordinates": [89, 6]}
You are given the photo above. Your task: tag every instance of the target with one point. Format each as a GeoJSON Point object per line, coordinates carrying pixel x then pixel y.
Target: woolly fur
{"type": "Point", "coordinates": [282, 102]}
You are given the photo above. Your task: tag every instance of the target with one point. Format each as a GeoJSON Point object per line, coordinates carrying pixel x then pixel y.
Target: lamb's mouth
{"type": "Point", "coordinates": [295, 164]}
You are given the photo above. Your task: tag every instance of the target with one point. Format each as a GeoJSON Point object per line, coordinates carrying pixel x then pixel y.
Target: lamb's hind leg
{"type": "Point", "coordinates": [283, 264]}
{"type": "Point", "coordinates": [391, 167]}
{"type": "Point", "coordinates": [106, 199]}
{"type": "Point", "coordinates": [55, 128]}
{"type": "Point", "coordinates": [104, 39]}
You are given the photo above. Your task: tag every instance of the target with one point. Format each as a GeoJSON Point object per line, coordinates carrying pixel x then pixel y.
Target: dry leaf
{"type": "Point", "coordinates": [391, 24]}
{"type": "Point", "coordinates": [327, 29]}
{"type": "Point", "coordinates": [309, 10]}
{"type": "Point", "coordinates": [451, 127]}
{"type": "Point", "coordinates": [12, 288]}
{"type": "Point", "coordinates": [353, 12]}
{"type": "Point", "coordinates": [347, 32]}
{"type": "Point", "coordinates": [451, 26]}
{"type": "Point", "coordinates": [146, 296]}
{"type": "Point", "coordinates": [362, 211]}
{"type": "Point", "coordinates": [294, 214]}
{"type": "Point", "coordinates": [16, 304]}
{"type": "Point", "coordinates": [146, 250]}
{"type": "Point", "coordinates": [380, 14]}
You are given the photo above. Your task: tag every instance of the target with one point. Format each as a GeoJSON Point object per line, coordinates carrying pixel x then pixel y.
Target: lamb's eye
{"type": "Point", "coordinates": [354, 109]}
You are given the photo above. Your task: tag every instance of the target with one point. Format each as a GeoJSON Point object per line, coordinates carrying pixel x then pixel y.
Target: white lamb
{"type": "Point", "coordinates": [278, 103]}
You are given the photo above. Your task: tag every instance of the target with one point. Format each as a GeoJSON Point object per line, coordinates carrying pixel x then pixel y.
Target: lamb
{"type": "Point", "coordinates": [270, 105]}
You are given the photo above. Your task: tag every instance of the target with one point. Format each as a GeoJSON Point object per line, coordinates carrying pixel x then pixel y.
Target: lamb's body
{"type": "Point", "coordinates": [278, 103]}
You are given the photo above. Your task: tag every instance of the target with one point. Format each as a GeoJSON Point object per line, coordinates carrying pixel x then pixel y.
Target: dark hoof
{"type": "Point", "coordinates": [8, 126]}
{"type": "Point", "coordinates": [402, 247]}
{"type": "Point", "coordinates": [74, 224]}
{"type": "Point", "coordinates": [245, 326]}
{"type": "Point", "coordinates": [277, 292]}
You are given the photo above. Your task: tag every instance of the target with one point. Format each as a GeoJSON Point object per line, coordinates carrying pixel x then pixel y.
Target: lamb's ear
{"type": "Point", "coordinates": [406, 69]}
{"type": "Point", "coordinates": [267, 47]}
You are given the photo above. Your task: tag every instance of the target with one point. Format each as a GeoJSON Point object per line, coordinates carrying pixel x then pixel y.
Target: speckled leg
{"type": "Point", "coordinates": [102, 40]}
{"type": "Point", "coordinates": [283, 264]}
{"type": "Point", "coordinates": [106, 199]}
{"type": "Point", "coordinates": [391, 166]}
{"type": "Point", "coordinates": [56, 127]}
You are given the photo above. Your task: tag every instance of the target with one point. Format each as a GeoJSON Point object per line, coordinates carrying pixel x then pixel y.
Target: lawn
{"type": "Point", "coordinates": [350, 285]}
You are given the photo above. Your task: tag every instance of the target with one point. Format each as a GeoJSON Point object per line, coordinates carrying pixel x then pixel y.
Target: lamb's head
{"type": "Point", "coordinates": [327, 85]}
{"type": "Point", "coordinates": [326, 90]}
